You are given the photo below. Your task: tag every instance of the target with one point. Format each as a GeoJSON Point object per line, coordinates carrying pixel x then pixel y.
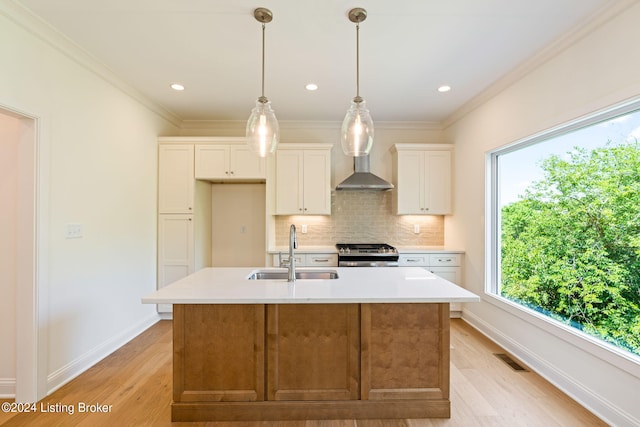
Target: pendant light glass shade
{"type": "Point", "coordinates": [357, 130]}
{"type": "Point", "coordinates": [357, 127]}
{"type": "Point", "coordinates": [263, 131]}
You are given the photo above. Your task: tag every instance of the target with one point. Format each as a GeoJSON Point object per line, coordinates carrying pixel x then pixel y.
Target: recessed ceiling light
{"type": "Point", "coordinates": [444, 88]}
{"type": "Point", "coordinates": [311, 86]}
{"type": "Point", "coordinates": [177, 86]}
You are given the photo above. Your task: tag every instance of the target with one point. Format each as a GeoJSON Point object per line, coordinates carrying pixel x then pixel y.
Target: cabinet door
{"type": "Point", "coordinates": [175, 178]}
{"type": "Point", "coordinates": [437, 184]}
{"type": "Point", "coordinates": [405, 351]}
{"type": "Point", "coordinates": [245, 164]}
{"type": "Point", "coordinates": [312, 352]}
{"type": "Point", "coordinates": [289, 182]}
{"type": "Point", "coordinates": [175, 250]}
{"type": "Point", "coordinates": [317, 182]}
{"type": "Point", "coordinates": [212, 162]}
{"type": "Point", "coordinates": [409, 198]}
{"type": "Point", "coordinates": [218, 353]}
{"type": "Point", "coordinates": [452, 274]}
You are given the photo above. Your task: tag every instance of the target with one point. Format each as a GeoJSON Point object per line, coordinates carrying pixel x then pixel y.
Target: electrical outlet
{"type": "Point", "coordinates": [304, 228]}
{"type": "Point", "coordinates": [416, 228]}
{"type": "Point", "coordinates": [73, 231]}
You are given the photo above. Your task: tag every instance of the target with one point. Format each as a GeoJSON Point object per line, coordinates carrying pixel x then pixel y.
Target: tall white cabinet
{"type": "Point", "coordinates": [186, 168]}
{"type": "Point", "coordinates": [422, 179]}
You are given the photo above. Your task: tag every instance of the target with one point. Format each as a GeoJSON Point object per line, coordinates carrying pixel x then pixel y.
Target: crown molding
{"type": "Point", "coordinates": [307, 124]}
{"type": "Point", "coordinates": [30, 22]}
{"type": "Point", "coordinates": [602, 15]}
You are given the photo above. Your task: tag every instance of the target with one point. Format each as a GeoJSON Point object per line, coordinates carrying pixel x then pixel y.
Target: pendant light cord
{"type": "Point", "coordinates": [262, 97]}
{"type": "Point", "coordinates": [358, 60]}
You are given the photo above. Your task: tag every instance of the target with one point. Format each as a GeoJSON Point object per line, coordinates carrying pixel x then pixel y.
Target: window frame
{"type": "Point", "coordinates": [608, 352]}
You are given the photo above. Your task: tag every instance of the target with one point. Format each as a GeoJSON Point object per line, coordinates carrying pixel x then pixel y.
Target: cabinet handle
{"type": "Point", "coordinates": [413, 259]}
{"type": "Point", "coordinates": [190, 208]}
{"type": "Point", "coordinates": [189, 219]}
{"type": "Point", "coordinates": [321, 260]}
{"type": "Point", "coordinates": [445, 259]}
{"type": "Point", "coordinates": [231, 172]}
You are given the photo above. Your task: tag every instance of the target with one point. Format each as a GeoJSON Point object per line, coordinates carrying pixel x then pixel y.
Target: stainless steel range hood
{"type": "Point", "coordinates": [362, 178]}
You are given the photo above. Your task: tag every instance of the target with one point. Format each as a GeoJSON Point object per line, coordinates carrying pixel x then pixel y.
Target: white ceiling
{"type": "Point", "coordinates": [408, 48]}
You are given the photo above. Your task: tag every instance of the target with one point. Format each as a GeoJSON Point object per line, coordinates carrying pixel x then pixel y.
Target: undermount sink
{"type": "Point", "coordinates": [300, 275]}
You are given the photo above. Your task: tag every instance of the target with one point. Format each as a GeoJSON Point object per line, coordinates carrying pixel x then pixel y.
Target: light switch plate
{"type": "Point", "coordinates": [73, 231]}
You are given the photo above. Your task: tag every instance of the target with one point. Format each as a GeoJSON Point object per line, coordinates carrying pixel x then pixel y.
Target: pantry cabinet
{"type": "Point", "coordinates": [184, 212]}
{"type": "Point", "coordinates": [225, 161]}
{"type": "Point", "coordinates": [422, 179]}
{"type": "Point", "coordinates": [303, 179]}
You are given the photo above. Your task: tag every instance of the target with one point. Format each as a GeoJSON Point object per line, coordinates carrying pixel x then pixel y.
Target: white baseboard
{"type": "Point", "coordinates": [586, 397]}
{"type": "Point", "coordinates": [70, 371]}
{"type": "Point", "coordinates": [7, 388]}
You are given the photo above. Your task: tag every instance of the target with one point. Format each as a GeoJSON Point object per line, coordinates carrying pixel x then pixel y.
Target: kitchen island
{"type": "Point", "coordinates": [371, 343]}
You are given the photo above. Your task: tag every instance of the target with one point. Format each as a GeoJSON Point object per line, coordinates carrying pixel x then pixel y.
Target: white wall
{"type": "Point", "coordinates": [8, 249]}
{"type": "Point", "coordinates": [97, 167]}
{"type": "Point", "coordinates": [600, 70]}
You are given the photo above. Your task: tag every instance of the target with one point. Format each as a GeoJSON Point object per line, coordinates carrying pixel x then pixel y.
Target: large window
{"type": "Point", "coordinates": [565, 226]}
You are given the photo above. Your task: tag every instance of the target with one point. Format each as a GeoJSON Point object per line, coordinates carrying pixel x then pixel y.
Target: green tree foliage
{"type": "Point", "coordinates": [571, 245]}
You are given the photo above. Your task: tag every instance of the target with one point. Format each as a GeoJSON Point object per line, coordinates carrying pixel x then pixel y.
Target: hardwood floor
{"type": "Point", "coordinates": [135, 385]}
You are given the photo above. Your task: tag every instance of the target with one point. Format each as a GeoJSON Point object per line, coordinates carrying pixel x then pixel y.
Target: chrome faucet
{"type": "Point", "coordinates": [293, 244]}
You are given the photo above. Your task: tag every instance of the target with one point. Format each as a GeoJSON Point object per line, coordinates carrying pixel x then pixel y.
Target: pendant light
{"type": "Point", "coordinates": [263, 131]}
{"type": "Point", "coordinates": [357, 127]}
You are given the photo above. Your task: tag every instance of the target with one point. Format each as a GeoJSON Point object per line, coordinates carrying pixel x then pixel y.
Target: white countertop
{"type": "Point", "coordinates": [354, 285]}
{"type": "Point", "coordinates": [332, 249]}
{"type": "Point", "coordinates": [427, 249]}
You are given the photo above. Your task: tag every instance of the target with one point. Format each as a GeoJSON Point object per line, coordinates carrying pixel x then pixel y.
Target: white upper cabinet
{"type": "Point", "coordinates": [303, 179]}
{"type": "Point", "coordinates": [422, 179]}
{"type": "Point", "coordinates": [175, 179]}
{"type": "Point", "coordinates": [228, 162]}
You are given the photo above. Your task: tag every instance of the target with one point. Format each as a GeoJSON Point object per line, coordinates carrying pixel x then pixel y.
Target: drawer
{"type": "Point", "coordinates": [443, 260]}
{"type": "Point", "coordinates": [300, 258]}
{"type": "Point", "coordinates": [329, 260]}
{"type": "Point", "coordinates": [413, 260]}
{"type": "Point", "coordinates": [310, 260]}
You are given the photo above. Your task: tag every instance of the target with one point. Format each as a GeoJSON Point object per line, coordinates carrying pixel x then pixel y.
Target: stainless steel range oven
{"type": "Point", "coordinates": [366, 255]}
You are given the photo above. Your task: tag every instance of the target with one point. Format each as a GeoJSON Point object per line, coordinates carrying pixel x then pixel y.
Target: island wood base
{"type": "Point", "coordinates": [251, 362]}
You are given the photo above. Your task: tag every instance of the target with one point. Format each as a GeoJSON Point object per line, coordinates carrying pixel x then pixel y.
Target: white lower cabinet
{"type": "Point", "coordinates": [445, 265]}
{"type": "Point", "coordinates": [175, 250]}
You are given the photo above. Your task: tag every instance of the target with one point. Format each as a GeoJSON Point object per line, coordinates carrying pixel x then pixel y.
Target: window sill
{"type": "Point", "coordinates": [608, 353]}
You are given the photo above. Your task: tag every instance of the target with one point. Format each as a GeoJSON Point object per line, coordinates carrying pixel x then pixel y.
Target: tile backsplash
{"type": "Point", "coordinates": [359, 217]}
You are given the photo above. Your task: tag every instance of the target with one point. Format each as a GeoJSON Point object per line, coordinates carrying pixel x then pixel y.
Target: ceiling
{"type": "Point", "coordinates": [408, 48]}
